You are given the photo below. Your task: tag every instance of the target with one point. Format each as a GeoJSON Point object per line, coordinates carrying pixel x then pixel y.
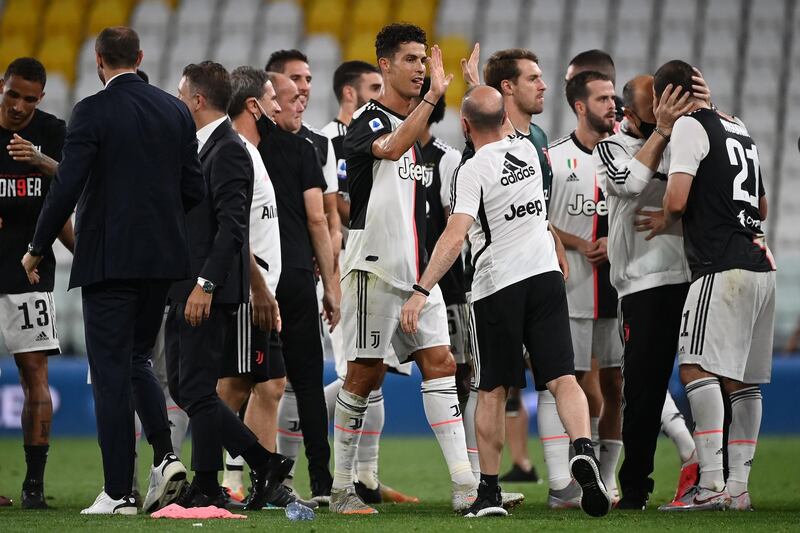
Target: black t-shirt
{"type": "Point", "coordinates": [722, 226]}
{"type": "Point", "coordinates": [22, 191]}
{"type": "Point", "coordinates": [294, 168]}
{"type": "Point", "coordinates": [318, 141]}
{"type": "Point", "coordinates": [452, 283]}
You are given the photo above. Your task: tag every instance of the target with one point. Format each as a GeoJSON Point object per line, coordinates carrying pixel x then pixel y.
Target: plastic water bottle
{"type": "Point", "coordinates": [295, 511]}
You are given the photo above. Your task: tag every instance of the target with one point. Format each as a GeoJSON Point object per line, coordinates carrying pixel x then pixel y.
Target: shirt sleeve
{"type": "Point", "coordinates": [311, 171]}
{"type": "Point", "coordinates": [329, 170]}
{"type": "Point", "coordinates": [363, 131]}
{"type": "Point", "coordinates": [466, 197]}
{"type": "Point", "coordinates": [689, 144]}
{"type": "Point", "coordinates": [55, 140]}
{"type": "Point", "coordinates": [447, 167]}
{"type": "Point", "coordinates": [618, 172]}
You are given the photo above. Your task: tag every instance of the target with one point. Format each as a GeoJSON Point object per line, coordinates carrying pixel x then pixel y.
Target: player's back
{"type": "Point", "coordinates": [722, 223]}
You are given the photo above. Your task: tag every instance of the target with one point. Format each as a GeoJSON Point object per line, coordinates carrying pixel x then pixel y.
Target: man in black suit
{"type": "Point", "coordinates": [203, 308]}
{"type": "Point", "coordinates": [130, 163]}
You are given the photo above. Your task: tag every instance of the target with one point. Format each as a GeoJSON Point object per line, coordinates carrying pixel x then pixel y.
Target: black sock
{"type": "Point", "coordinates": [162, 445]}
{"type": "Point", "coordinates": [257, 456]}
{"type": "Point", "coordinates": [206, 482]}
{"type": "Point", "coordinates": [36, 458]}
{"type": "Point", "coordinates": [583, 446]}
{"type": "Point", "coordinates": [490, 481]}
{"type": "Point", "coordinates": [234, 468]}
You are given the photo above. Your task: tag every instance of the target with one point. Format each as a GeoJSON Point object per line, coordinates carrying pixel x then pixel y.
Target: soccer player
{"type": "Point", "coordinates": [725, 342]}
{"type": "Point", "coordinates": [32, 142]}
{"type": "Point", "coordinates": [578, 212]}
{"type": "Point", "coordinates": [518, 295]}
{"type": "Point", "coordinates": [651, 277]}
{"type": "Point", "coordinates": [383, 260]}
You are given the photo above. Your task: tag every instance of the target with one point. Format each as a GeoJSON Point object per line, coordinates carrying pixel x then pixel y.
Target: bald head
{"type": "Point", "coordinates": [483, 109]}
{"type": "Point", "coordinates": [637, 95]}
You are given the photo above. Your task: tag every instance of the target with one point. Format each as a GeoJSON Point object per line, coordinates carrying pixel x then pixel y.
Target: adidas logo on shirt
{"type": "Point", "coordinates": [572, 177]}
{"type": "Point", "coordinates": [42, 337]}
{"type": "Point", "coordinates": [515, 170]}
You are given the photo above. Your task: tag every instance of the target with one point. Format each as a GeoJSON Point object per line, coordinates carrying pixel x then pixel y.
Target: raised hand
{"type": "Point", "coordinates": [439, 80]}
{"type": "Point", "coordinates": [469, 67]}
{"type": "Point", "coordinates": [671, 106]}
{"type": "Point", "coordinates": [700, 87]}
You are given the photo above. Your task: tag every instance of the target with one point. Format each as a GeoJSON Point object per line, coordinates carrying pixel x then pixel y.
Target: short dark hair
{"type": "Point", "coordinates": [348, 73]}
{"type": "Point", "coordinates": [478, 117]}
{"type": "Point", "coordinates": [246, 82]}
{"type": "Point", "coordinates": [212, 81]}
{"type": "Point", "coordinates": [28, 69]}
{"type": "Point", "coordinates": [438, 110]}
{"type": "Point", "coordinates": [118, 46]}
{"type": "Point", "coordinates": [577, 86]}
{"type": "Point", "coordinates": [678, 73]}
{"type": "Point", "coordinates": [629, 95]}
{"type": "Point", "coordinates": [596, 60]}
{"type": "Point", "coordinates": [502, 65]}
{"type": "Point", "coordinates": [277, 61]}
{"type": "Point", "coordinates": [389, 39]}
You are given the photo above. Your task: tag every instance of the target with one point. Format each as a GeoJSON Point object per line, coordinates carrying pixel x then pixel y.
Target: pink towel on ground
{"type": "Point", "coordinates": [174, 510]}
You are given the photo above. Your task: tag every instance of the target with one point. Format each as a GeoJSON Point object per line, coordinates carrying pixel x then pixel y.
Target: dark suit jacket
{"type": "Point", "coordinates": [219, 225]}
{"type": "Point", "coordinates": [130, 163]}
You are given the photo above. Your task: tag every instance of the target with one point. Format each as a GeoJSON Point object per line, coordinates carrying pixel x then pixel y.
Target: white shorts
{"type": "Point", "coordinates": [28, 323]}
{"type": "Point", "coordinates": [599, 338]}
{"type": "Point", "coordinates": [458, 326]}
{"type": "Point", "coordinates": [371, 320]}
{"type": "Point", "coordinates": [728, 324]}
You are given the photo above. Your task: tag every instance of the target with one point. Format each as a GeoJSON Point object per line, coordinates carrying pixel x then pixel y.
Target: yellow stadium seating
{"type": "Point", "coordinates": [454, 47]}
{"type": "Point", "coordinates": [369, 16]}
{"type": "Point", "coordinates": [12, 48]}
{"type": "Point", "coordinates": [360, 46]}
{"type": "Point", "coordinates": [455, 92]}
{"type": "Point", "coordinates": [107, 13]}
{"type": "Point", "coordinates": [22, 18]}
{"type": "Point", "coordinates": [419, 12]}
{"type": "Point", "coordinates": [326, 16]}
{"type": "Point", "coordinates": [65, 17]}
{"type": "Point", "coordinates": [59, 53]}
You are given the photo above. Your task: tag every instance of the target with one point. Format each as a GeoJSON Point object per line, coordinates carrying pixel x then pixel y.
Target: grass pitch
{"type": "Point", "coordinates": [415, 466]}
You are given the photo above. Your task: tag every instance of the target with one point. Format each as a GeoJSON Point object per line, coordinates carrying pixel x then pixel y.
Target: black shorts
{"type": "Point", "coordinates": [252, 352]}
{"type": "Point", "coordinates": [532, 313]}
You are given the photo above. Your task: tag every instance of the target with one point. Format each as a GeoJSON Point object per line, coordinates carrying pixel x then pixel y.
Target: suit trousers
{"type": "Point", "coordinates": [302, 352]}
{"type": "Point", "coordinates": [122, 319]}
{"type": "Point", "coordinates": [651, 322]}
{"type": "Point", "coordinates": [194, 357]}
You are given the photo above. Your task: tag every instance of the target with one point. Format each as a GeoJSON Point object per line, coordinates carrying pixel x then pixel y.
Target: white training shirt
{"type": "Point", "coordinates": [501, 188]}
{"type": "Point", "coordinates": [265, 236]}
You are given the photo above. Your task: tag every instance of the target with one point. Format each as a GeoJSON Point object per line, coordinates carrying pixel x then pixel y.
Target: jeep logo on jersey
{"type": "Point", "coordinates": [587, 206]}
{"type": "Point", "coordinates": [533, 207]}
{"type": "Point", "coordinates": [412, 171]}
{"type": "Point", "coordinates": [515, 170]}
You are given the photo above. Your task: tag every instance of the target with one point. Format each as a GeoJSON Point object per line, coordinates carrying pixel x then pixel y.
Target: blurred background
{"type": "Point", "coordinates": [749, 52]}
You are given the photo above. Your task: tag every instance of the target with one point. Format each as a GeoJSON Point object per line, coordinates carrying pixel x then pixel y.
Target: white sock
{"type": "Point", "coordinates": [178, 423]}
{"type": "Point", "coordinates": [137, 427]}
{"type": "Point", "coordinates": [440, 400]}
{"type": "Point", "coordinates": [742, 437]}
{"type": "Point", "coordinates": [705, 398]}
{"type": "Point", "coordinates": [368, 446]}
{"type": "Point", "coordinates": [290, 436]}
{"type": "Point", "coordinates": [555, 442]}
{"type": "Point", "coordinates": [609, 457]}
{"type": "Point", "coordinates": [469, 433]}
{"type": "Point", "coordinates": [331, 391]}
{"type": "Point", "coordinates": [348, 421]}
{"type": "Point", "coordinates": [674, 426]}
{"type": "Point", "coordinates": [595, 424]}
{"type": "Point", "coordinates": [234, 472]}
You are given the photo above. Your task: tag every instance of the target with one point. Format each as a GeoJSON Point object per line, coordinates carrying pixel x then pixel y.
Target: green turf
{"type": "Point", "coordinates": [414, 466]}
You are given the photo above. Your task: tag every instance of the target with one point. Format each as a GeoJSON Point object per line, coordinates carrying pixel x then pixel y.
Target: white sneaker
{"type": "Point", "coordinates": [463, 497]}
{"type": "Point", "coordinates": [104, 504]}
{"type": "Point", "coordinates": [511, 499]}
{"type": "Point", "coordinates": [166, 481]}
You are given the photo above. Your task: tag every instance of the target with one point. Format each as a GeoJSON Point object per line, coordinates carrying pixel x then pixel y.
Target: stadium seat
{"type": "Point", "coordinates": [107, 13]}
{"type": "Point", "coordinates": [58, 54]}
{"type": "Point", "coordinates": [500, 23]}
{"type": "Point", "coordinates": [151, 17]}
{"type": "Point", "coordinates": [21, 18]}
{"type": "Point", "coordinates": [724, 15]}
{"type": "Point", "coordinates": [449, 129]}
{"type": "Point", "coordinates": [419, 12]}
{"type": "Point", "coordinates": [326, 16]}
{"type": "Point", "coordinates": [368, 16]}
{"type": "Point", "coordinates": [454, 47]}
{"type": "Point", "coordinates": [64, 17]}
{"type": "Point", "coordinates": [360, 46]}
{"type": "Point", "coordinates": [13, 47]}
{"type": "Point", "coordinates": [323, 49]}
{"type": "Point", "coordinates": [273, 42]}
{"type": "Point", "coordinates": [239, 15]}
{"type": "Point", "coordinates": [233, 50]}
{"type": "Point", "coordinates": [56, 99]}
{"type": "Point", "coordinates": [87, 62]}
{"type": "Point", "coordinates": [196, 16]}
{"type": "Point", "coordinates": [455, 92]}
{"type": "Point", "coordinates": [591, 15]}
{"type": "Point", "coordinates": [456, 17]}
{"type": "Point", "coordinates": [634, 14]}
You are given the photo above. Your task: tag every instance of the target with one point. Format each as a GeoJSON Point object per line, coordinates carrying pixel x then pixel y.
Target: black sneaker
{"type": "Point", "coordinates": [595, 500]}
{"type": "Point", "coordinates": [266, 481]}
{"type": "Point", "coordinates": [367, 495]}
{"type": "Point", "coordinates": [488, 503]}
{"type": "Point", "coordinates": [33, 497]}
{"type": "Point", "coordinates": [321, 490]}
{"type": "Point", "coordinates": [191, 496]}
{"type": "Point", "coordinates": [632, 500]}
{"type": "Point", "coordinates": [284, 495]}
{"type": "Point", "coordinates": [518, 475]}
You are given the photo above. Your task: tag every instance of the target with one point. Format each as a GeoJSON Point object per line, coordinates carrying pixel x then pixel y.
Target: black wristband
{"type": "Point", "coordinates": [35, 251]}
{"type": "Point", "coordinates": [422, 290]}
{"type": "Point", "coordinates": [427, 102]}
{"type": "Point", "coordinates": [664, 135]}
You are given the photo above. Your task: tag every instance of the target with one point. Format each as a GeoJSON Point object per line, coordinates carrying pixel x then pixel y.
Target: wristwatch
{"type": "Point", "coordinates": [35, 251]}
{"type": "Point", "coordinates": [207, 286]}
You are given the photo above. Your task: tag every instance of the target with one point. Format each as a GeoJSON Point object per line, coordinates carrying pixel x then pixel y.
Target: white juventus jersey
{"type": "Point", "coordinates": [577, 206]}
{"type": "Point", "coordinates": [501, 188]}
{"type": "Point", "coordinates": [387, 202]}
{"type": "Point", "coordinates": [265, 237]}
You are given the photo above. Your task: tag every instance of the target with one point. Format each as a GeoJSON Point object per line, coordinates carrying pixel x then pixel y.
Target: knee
{"type": "Point", "coordinates": [362, 376]}
{"type": "Point", "coordinates": [270, 392]}
{"type": "Point", "coordinates": [436, 363]}
{"type": "Point", "coordinates": [562, 384]}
